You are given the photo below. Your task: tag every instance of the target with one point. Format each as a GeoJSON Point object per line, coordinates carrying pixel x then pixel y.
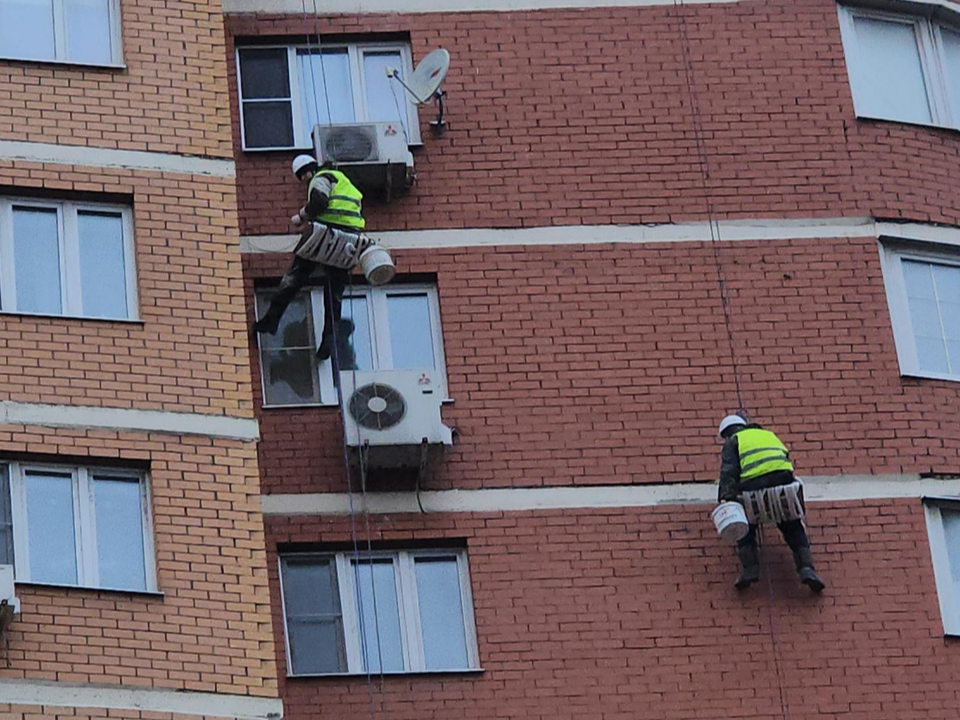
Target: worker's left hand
{"type": "Point", "coordinates": [296, 219]}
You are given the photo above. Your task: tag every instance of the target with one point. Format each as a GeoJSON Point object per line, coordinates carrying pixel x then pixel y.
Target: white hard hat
{"type": "Point", "coordinates": [730, 421]}
{"type": "Point", "coordinates": [302, 161]}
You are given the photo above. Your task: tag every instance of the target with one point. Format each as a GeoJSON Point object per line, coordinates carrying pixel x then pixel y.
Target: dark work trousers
{"type": "Point", "coordinates": [792, 532]}
{"type": "Point", "coordinates": [293, 282]}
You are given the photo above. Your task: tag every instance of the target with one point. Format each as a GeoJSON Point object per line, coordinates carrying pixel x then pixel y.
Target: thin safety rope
{"type": "Point", "coordinates": [704, 165]}
{"type": "Point", "coordinates": [774, 627]}
{"type": "Point", "coordinates": [328, 299]}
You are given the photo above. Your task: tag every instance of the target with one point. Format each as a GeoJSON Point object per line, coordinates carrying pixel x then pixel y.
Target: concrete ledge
{"type": "Point", "coordinates": [343, 7]}
{"type": "Point", "coordinates": [124, 419]}
{"type": "Point", "coordinates": [107, 158]}
{"type": "Point", "coordinates": [728, 230]}
{"type": "Point", "coordinates": [67, 695]}
{"type": "Point", "coordinates": [837, 488]}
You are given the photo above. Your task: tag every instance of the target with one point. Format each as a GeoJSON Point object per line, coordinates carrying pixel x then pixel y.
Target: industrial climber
{"type": "Point", "coordinates": [335, 202]}
{"type": "Point", "coordinates": [755, 469]}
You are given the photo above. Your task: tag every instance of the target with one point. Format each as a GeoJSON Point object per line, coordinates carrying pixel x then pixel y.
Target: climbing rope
{"type": "Point", "coordinates": [716, 244]}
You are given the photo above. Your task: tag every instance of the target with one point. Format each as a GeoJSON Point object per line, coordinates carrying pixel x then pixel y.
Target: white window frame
{"type": "Point", "coordinates": [71, 294]}
{"type": "Point", "coordinates": [932, 56]}
{"type": "Point", "coordinates": [411, 632]}
{"type": "Point", "coordinates": [355, 52]}
{"type": "Point", "coordinates": [60, 40]}
{"type": "Point", "coordinates": [892, 252]}
{"type": "Point", "coordinates": [948, 598]}
{"type": "Point", "coordinates": [88, 574]}
{"type": "Point", "coordinates": [377, 315]}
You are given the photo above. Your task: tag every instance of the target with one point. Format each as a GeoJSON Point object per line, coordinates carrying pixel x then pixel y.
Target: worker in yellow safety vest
{"type": "Point", "coordinates": [336, 202]}
{"type": "Point", "coordinates": [755, 459]}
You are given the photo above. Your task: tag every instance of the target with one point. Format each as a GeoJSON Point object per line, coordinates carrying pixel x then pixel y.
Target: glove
{"type": "Point", "coordinates": [296, 219]}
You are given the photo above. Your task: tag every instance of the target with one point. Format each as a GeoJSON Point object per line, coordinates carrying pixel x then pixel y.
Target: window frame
{"type": "Point", "coordinates": [68, 237]}
{"type": "Point", "coordinates": [379, 336]}
{"type": "Point", "coordinates": [892, 252]}
{"type": "Point", "coordinates": [947, 595]}
{"type": "Point", "coordinates": [355, 52]}
{"type": "Point", "coordinates": [85, 526]}
{"type": "Point", "coordinates": [60, 40]}
{"type": "Point", "coordinates": [408, 608]}
{"type": "Point", "coordinates": [928, 28]}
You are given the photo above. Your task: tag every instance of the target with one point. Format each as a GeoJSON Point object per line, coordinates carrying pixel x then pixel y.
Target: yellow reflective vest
{"type": "Point", "coordinates": [345, 201]}
{"type": "Point", "coordinates": [761, 452]}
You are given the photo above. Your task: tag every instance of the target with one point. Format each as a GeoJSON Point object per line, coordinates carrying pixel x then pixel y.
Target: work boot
{"type": "Point", "coordinates": [268, 324]}
{"type": "Point", "coordinates": [750, 559]}
{"type": "Point", "coordinates": [326, 348]}
{"type": "Point", "coordinates": [808, 576]}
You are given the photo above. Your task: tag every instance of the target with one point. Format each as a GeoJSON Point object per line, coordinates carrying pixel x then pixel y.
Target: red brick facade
{"type": "Point", "coordinates": [580, 365]}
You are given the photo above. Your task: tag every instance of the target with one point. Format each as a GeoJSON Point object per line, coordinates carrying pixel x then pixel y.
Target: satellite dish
{"type": "Point", "coordinates": [425, 82]}
{"type": "Point", "coordinates": [429, 75]}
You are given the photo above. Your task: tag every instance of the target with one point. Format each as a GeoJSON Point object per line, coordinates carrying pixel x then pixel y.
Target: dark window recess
{"type": "Point", "coordinates": [265, 88]}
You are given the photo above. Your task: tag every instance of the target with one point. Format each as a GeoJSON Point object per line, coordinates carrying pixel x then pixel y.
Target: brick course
{"type": "Point", "coordinates": [582, 116]}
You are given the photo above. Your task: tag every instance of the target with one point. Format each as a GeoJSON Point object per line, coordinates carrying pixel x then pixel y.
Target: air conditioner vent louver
{"type": "Point", "coordinates": [351, 144]}
{"type": "Point", "coordinates": [377, 406]}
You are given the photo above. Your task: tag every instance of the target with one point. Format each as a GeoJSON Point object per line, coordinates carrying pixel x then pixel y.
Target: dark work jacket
{"type": "Point", "coordinates": [730, 485]}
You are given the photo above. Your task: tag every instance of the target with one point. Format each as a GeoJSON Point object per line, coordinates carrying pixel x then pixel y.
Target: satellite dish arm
{"type": "Point", "coordinates": [395, 74]}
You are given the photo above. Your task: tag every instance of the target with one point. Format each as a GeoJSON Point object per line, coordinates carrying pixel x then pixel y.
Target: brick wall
{"type": "Point", "coordinates": [582, 116]}
{"type": "Point", "coordinates": [170, 96]}
{"type": "Point", "coordinates": [209, 631]}
{"type": "Point", "coordinates": [609, 364]}
{"type": "Point", "coordinates": [632, 613]}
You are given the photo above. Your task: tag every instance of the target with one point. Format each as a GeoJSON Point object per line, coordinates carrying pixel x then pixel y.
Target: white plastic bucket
{"type": "Point", "coordinates": [376, 265]}
{"type": "Point", "coordinates": [731, 521]}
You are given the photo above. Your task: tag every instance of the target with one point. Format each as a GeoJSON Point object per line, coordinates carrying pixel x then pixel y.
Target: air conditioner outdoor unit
{"type": "Point", "coordinates": [373, 155]}
{"type": "Point", "coordinates": [392, 416]}
{"type": "Point", "coordinates": [7, 589]}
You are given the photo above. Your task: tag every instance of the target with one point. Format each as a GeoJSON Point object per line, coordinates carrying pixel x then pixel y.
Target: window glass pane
{"type": "Point", "coordinates": [951, 528]}
{"type": "Point", "coordinates": [26, 29]}
{"type": "Point", "coordinates": [925, 316]}
{"type": "Point", "coordinates": [288, 358]}
{"type": "Point", "coordinates": [379, 616]}
{"type": "Point", "coordinates": [360, 354]}
{"type": "Point", "coordinates": [951, 44]}
{"type": "Point", "coordinates": [267, 124]}
{"type": "Point", "coordinates": [411, 334]}
{"type": "Point", "coordinates": [88, 30]}
{"type": "Point", "coordinates": [103, 279]}
{"type": "Point", "coordinates": [326, 92]}
{"type": "Point", "coordinates": [51, 536]}
{"type": "Point", "coordinates": [889, 75]}
{"type": "Point", "coordinates": [312, 607]}
{"type": "Point", "coordinates": [946, 279]}
{"type": "Point", "coordinates": [119, 522]}
{"type": "Point", "coordinates": [441, 614]}
{"type": "Point", "coordinates": [36, 254]}
{"type": "Point", "coordinates": [6, 519]}
{"type": "Point", "coordinates": [385, 96]}
{"type": "Point", "coordinates": [315, 647]}
{"type": "Point", "coordinates": [264, 73]}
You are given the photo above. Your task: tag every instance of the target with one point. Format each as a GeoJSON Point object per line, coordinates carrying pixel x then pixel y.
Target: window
{"type": "Point", "coordinates": [943, 529]}
{"type": "Point", "coordinates": [389, 612]}
{"type": "Point", "coordinates": [61, 258]}
{"type": "Point", "coordinates": [85, 32]}
{"type": "Point", "coordinates": [396, 327]}
{"type": "Point", "coordinates": [285, 91]}
{"type": "Point", "coordinates": [903, 67]}
{"type": "Point", "coordinates": [76, 526]}
{"type": "Point", "coordinates": [923, 291]}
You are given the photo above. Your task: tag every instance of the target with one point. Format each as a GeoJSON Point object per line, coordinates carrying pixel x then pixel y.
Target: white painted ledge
{"type": "Point", "coordinates": [75, 416]}
{"type": "Point", "coordinates": [736, 230]}
{"type": "Point", "coordinates": [817, 489]}
{"type": "Point", "coordinates": [66, 695]}
{"type": "Point", "coordinates": [353, 7]}
{"type": "Point", "coordinates": [106, 158]}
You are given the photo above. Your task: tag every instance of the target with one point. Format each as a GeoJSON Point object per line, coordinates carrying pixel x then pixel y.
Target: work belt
{"type": "Point", "coordinates": [330, 246]}
{"type": "Point", "coordinates": [774, 505]}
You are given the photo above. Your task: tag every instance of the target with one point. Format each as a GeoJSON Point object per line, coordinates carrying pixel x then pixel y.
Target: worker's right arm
{"type": "Point", "coordinates": [318, 200]}
{"type": "Point", "coordinates": [729, 471]}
